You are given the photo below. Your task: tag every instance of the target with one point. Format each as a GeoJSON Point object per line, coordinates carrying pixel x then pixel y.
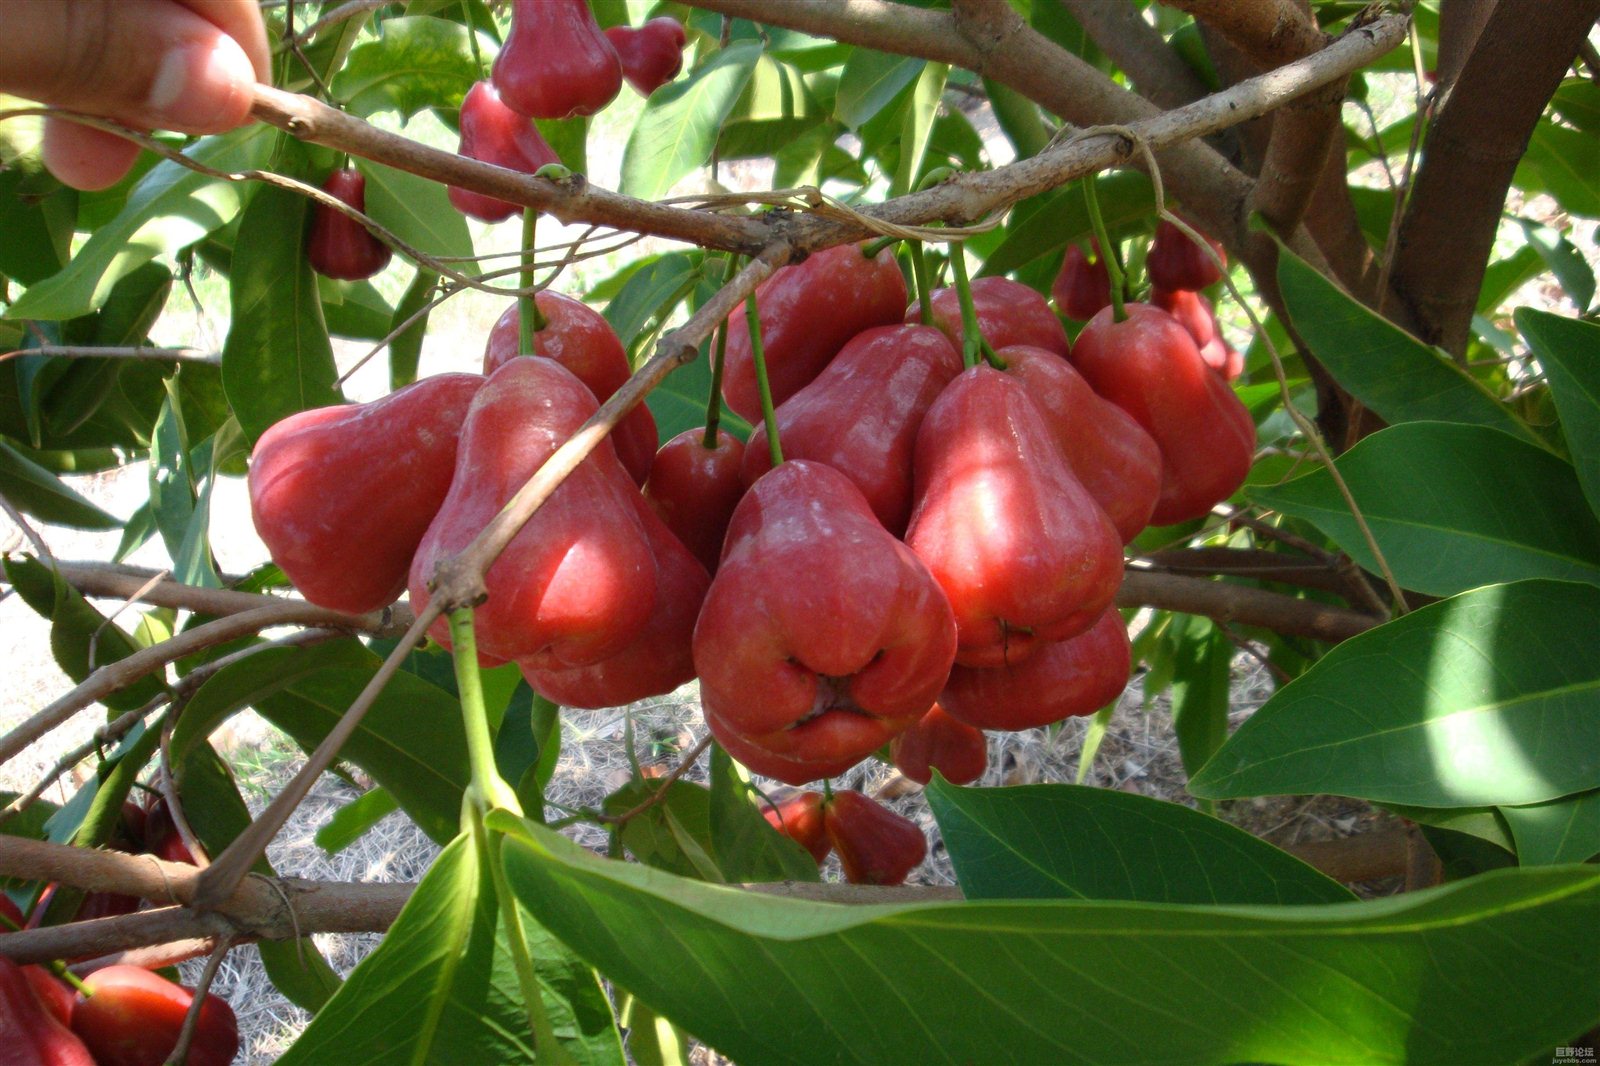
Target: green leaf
{"type": "Point", "coordinates": [1490, 697]}
{"type": "Point", "coordinates": [418, 211]}
{"type": "Point", "coordinates": [351, 822]}
{"type": "Point", "coordinates": [447, 978]}
{"type": "Point", "coordinates": [1201, 674]}
{"type": "Point", "coordinates": [277, 359]}
{"type": "Point", "coordinates": [679, 402]}
{"type": "Point", "coordinates": [1387, 369]}
{"type": "Point", "coordinates": [674, 833]}
{"type": "Point", "coordinates": [354, 309]}
{"type": "Point", "coordinates": [680, 122]}
{"type": "Point", "coordinates": [417, 62]}
{"type": "Point", "coordinates": [35, 491]}
{"type": "Point", "coordinates": [649, 292]}
{"type": "Point", "coordinates": [1452, 507]}
{"type": "Point", "coordinates": [870, 82]}
{"type": "Point", "coordinates": [1485, 823]}
{"type": "Point", "coordinates": [1044, 224]}
{"type": "Point", "coordinates": [1564, 830]}
{"type": "Point", "coordinates": [917, 126]}
{"type": "Point", "coordinates": [750, 850]}
{"type": "Point", "coordinates": [1578, 101]}
{"type": "Point", "coordinates": [36, 215]}
{"type": "Point", "coordinates": [170, 208]}
{"type": "Point", "coordinates": [1493, 969]}
{"type": "Point", "coordinates": [1564, 261]}
{"type": "Point", "coordinates": [1071, 842]}
{"type": "Point", "coordinates": [1566, 349]}
{"type": "Point", "coordinates": [405, 350]}
{"type": "Point", "coordinates": [1564, 163]}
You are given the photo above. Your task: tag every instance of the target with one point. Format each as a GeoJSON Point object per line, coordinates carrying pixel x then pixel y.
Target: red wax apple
{"type": "Point", "coordinates": [577, 583]}
{"type": "Point", "coordinates": [1076, 676]}
{"type": "Point", "coordinates": [341, 495]}
{"type": "Point", "coordinates": [1008, 313]}
{"type": "Point", "coordinates": [556, 63]}
{"type": "Point", "coordinates": [29, 1034]}
{"type": "Point", "coordinates": [876, 846]}
{"type": "Point", "coordinates": [1116, 461]}
{"type": "Point", "coordinates": [861, 415]}
{"type": "Point", "coordinates": [799, 817]}
{"type": "Point", "coordinates": [695, 489]}
{"type": "Point", "coordinates": [822, 636]}
{"type": "Point", "coordinates": [660, 658]}
{"type": "Point", "coordinates": [940, 742]}
{"type": "Point", "coordinates": [580, 339]}
{"type": "Point", "coordinates": [1176, 262]}
{"type": "Point", "coordinates": [493, 133]}
{"type": "Point", "coordinates": [132, 1017]}
{"type": "Point", "coordinates": [1148, 365]}
{"type": "Point", "coordinates": [1192, 310]}
{"type": "Point", "coordinates": [53, 993]}
{"type": "Point", "coordinates": [1018, 545]}
{"type": "Point", "coordinates": [1083, 286]}
{"type": "Point", "coordinates": [339, 246]}
{"type": "Point", "coordinates": [651, 54]}
{"type": "Point", "coordinates": [808, 311]}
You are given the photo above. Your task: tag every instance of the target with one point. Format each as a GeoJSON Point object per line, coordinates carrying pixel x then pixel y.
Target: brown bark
{"type": "Point", "coordinates": [1139, 51]}
{"type": "Point", "coordinates": [1470, 156]}
{"type": "Point", "coordinates": [1461, 23]}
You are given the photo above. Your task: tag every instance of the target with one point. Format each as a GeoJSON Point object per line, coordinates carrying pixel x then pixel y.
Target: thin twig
{"type": "Point", "coordinates": [202, 988]}
{"type": "Point", "coordinates": [663, 783]}
{"type": "Point", "coordinates": [27, 530]}
{"type": "Point", "coordinates": [135, 352]}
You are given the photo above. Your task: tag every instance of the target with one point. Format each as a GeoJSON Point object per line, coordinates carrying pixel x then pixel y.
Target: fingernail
{"type": "Point", "coordinates": [202, 87]}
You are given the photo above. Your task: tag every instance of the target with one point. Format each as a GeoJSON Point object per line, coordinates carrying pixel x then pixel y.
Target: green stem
{"type": "Point", "coordinates": [872, 249]}
{"type": "Point", "coordinates": [919, 269]}
{"type": "Point", "coordinates": [971, 339]}
{"type": "Point", "coordinates": [530, 319]}
{"type": "Point", "coordinates": [752, 318]}
{"type": "Point", "coordinates": [487, 787]}
{"type": "Point", "coordinates": [1107, 250]}
{"type": "Point", "coordinates": [472, 36]}
{"type": "Point", "coordinates": [545, 1045]}
{"type": "Point", "coordinates": [718, 354]}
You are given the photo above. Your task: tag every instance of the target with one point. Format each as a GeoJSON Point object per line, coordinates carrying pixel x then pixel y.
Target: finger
{"type": "Point", "coordinates": [145, 62]}
{"type": "Point", "coordinates": [83, 157]}
{"type": "Point", "coordinates": [241, 20]}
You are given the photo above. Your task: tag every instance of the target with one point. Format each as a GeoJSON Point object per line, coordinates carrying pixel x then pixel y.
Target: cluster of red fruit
{"type": "Point", "coordinates": [118, 1015]}
{"type": "Point", "coordinates": [556, 63]}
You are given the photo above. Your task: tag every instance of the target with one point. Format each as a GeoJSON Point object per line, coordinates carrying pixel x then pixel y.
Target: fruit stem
{"type": "Point", "coordinates": [919, 270]}
{"type": "Point", "coordinates": [714, 398]}
{"type": "Point", "coordinates": [971, 339]}
{"type": "Point", "coordinates": [872, 249]}
{"type": "Point", "coordinates": [827, 791]}
{"type": "Point", "coordinates": [1107, 250]}
{"type": "Point", "coordinates": [545, 1045]}
{"type": "Point", "coordinates": [488, 788]}
{"type": "Point", "coordinates": [530, 319]}
{"type": "Point", "coordinates": [752, 318]}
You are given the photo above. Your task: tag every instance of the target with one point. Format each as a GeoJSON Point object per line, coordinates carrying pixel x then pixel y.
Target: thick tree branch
{"type": "Point", "coordinates": [1139, 50]}
{"type": "Point", "coordinates": [1460, 25]}
{"type": "Point", "coordinates": [1470, 156]}
{"type": "Point", "coordinates": [1242, 604]}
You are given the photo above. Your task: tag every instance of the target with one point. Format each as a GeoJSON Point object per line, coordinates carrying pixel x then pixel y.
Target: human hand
{"type": "Point", "coordinates": [184, 65]}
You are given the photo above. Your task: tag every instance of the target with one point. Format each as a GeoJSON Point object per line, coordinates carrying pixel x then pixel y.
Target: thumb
{"type": "Point", "coordinates": [150, 63]}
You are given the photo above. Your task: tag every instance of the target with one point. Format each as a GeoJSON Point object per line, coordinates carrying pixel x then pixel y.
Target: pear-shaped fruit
{"type": "Point", "coordinates": [342, 495]}
{"type": "Point", "coordinates": [695, 489]}
{"type": "Point", "coordinates": [1070, 677]}
{"type": "Point", "coordinates": [876, 846]}
{"type": "Point", "coordinates": [1176, 262]}
{"type": "Point", "coordinates": [493, 133]}
{"type": "Point", "coordinates": [556, 63]}
{"type": "Point", "coordinates": [132, 1017]}
{"type": "Point", "coordinates": [651, 55]}
{"type": "Point", "coordinates": [799, 817]}
{"type": "Point", "coordinates": [1083, 286]}
{"type": "Point", "coordinates": [1008, 313]}
{"type": "Point", "coordinates": [31, 1034]}
{"type": "Point", "coordinates": [339, 246]}
{"type": "Point", "coordinates": [940, 742]}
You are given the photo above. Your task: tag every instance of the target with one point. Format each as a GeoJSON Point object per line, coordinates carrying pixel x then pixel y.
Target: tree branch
{"type": "Point", "coordinates": [1242, 604]}
{"type": "Point", "coordinates": [1139, 50]}
{"type": "Point", "coordinates": [1470, 156]}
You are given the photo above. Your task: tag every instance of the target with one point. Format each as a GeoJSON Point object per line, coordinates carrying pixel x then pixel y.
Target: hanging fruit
{"type": "Point", "coordinates": [493, 133]}
{"type": "Point", "coordinates": [1083, 286]}
{"type": "Point", "coordinates": [556, 63]}
{"type": "Point", "coordinates": [1076, 676]}
{"type": "Point", "coordinates": [1176, 262]}
{"type": "Point", "coordinates": [695, 489]}
{"type": "Point", "coordinates": [1008, 313]}
{"type": "Point", "coordinates": [651, 55]}
{"type": "Point", "coordinates": [339, 246]}
{"type": "Point", "coordinates": [876, 846]}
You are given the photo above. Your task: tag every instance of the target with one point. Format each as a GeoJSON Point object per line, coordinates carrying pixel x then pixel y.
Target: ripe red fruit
{"type": "Point", "coordinates": [651, 55]}
{"type": "Point", "coordinates": [577, 583]}
{"type": "Point", "coordinates": [556, 63]}
{"type": "Point", "coordinates": [1116, 461]}
{"type": "Point", "coordinates": [1008, 313]}
{"type": "Point", "coordinates": [341, 495]}
{"type": "Point", "coordinates": [799, 817]}
{"type": "Point", "coordinates": [1192, 310]}
{"type": "Point", "coordinates": [808, 311]}
{"type": "Point", "coordinates": [1176, 262]}
{"type": "Point", "coordinates": [1083, 286]}
{"type": "Point", "coordinates": [876, 846]}
{"type": "Point", "coordinates": [339, 246]}
{"type": "Point", "coordinates": [659, 659]}
{"type": "Point", "coordinates": [822, 636]}
{"type": "Point", "coordinates": [1148, 365]}
{"type": "Point", "coordinates": [53, 993]}
{"type": "Point", "coordinates": [29, 1034]}
{"type": "Point", "coordinates": [695, 489]}
{"type": "Point", "coordinates": [132, 1017]}
{"type": "Point", "coordinates": [861, 415]}
{"type": "Point", "coordinates": [580, 339]}
{"type": "Point", "coordinates": [493, 133]}
{"type": "Point", "coordinates": [939, 742]}
{"type": "Point", "coordinates": [1076, 676]}
{"type": "Point", "coordinates": [1020, 548]}
{"type": "Point", "coordinates": [162, 838]}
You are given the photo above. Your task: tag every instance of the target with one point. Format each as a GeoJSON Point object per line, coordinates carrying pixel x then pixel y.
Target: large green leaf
{"type": "Point", "coordinates": [1201, 675]}
{"type": "Point", "coordinates": [1490, 697]}
{"type": "Point", "coordinates": [680, 122]}
{"type": "Point", "coordinates": [1494, 969]}
{"type": "Point", "coordinates": [1564, 830]}
{"type": "Point", "coordinates": [443, 988]}
{"type": "Point", "coordinates": [1564, 163]}
{"type": "Point", "coordinates": [277, 359]}
{"type": "Point", "coordinates": [418, 211]}
{"type": "Point", "coordinates": [170, 208]}
{"type": "Point", "coordinates": [1047, 223]}
{"type": "Point", "coordinates": [1388, 370]}
{"type": "Point", "coordinates": [1452, 507]}
{"type": "Point", "coordinates": [416, 62]}
{"type": "Point", "coordinates": [1569, 352]}
{"type": "Point", "coordinates": [1071, 842]}
{"type": "Point", "coordinates": [870, 82]}
{"type": "Point", "coordinates": [35, 491]}
{"type": "Point", "coordinates": [916, 126]}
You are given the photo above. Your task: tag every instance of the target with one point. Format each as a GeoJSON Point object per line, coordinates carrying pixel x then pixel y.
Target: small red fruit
{"type": "Point", "coordinates": [493, 133]}
{"type": "Point", "coordinates": [29, 1033]}
{"type": "Point", "coordinates": [1008, 313]}
{"type": "Point", "coordinates": [876, 846]}
{"type": "Point", "coordinates": [1083, 287]}
{"type": "Point", "coordinates": [53, 992]}
{"type": "Point", "coordinates": [940, 742]}
{"type": "Point", "coordinates": [695, 489]}
{"type": "Point", "coordinates": [339, 246]}
{"type": "Point", "coordinates": [1176, 262]}
{"type": "Point", "coordinates": [132, 1017]}
{"type": "Point", "coordinates": [799, 817]}
{"type": "Point", "coordinates": [651, 55]}
{"type": "Point", "coordinates": [556, 63]}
